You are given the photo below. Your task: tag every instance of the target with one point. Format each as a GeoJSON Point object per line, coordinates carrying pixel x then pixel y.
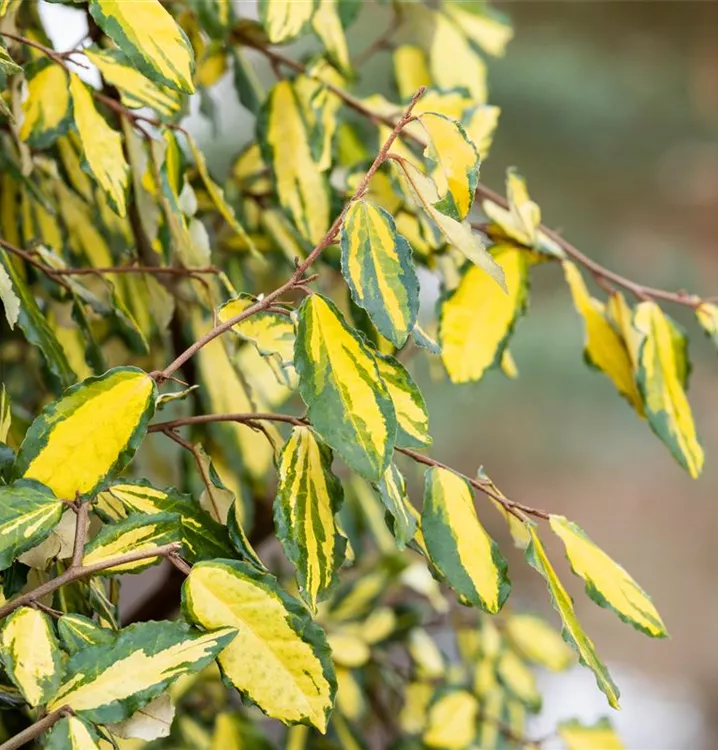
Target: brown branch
{"type": "Point", "coordinates": [297, 277]}
{"type": "Point", "coordinates": [78, 548]}
{"type": "Point", "coordinates": [209, 418]}
{"type": "Point", "coordinates": [74, 574]}
{"type": "Point", "coordinates": [59, 57]}
{"type": "Point", "coordinates": [179, 563]}
{"type": "Point", "coordinates": [36, 729]}
{"type": "Point", "coordinates": [26, 256]}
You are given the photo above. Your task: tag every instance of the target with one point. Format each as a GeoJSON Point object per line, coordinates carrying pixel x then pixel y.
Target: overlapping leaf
{"type": "Point", "coordinates": [77, 632]}
{"type": "Point", "coordinates": [308, 496]}
{"type": "Point", "coordinates": [607, 583]}
{"type": "Point", "coordinates": [661, 378]}
{"type": "Point", "coordinates": [348, 404]}
{"type": "Point", "coordinates": [109, 682]}
{"type": "Point", "coordinates": [284, 20]}
{"type": "Point", "coordinates": [572, 632]}
{"type": "Point", "coordinates": [280, 658]}
{"type": "Point", "coordinates": [392, 491]}
{"type": "Point", "coordinates": [48, 107]}
{"type": "Point", "coordinates": [93, 431]}
{"type": "Point", "coordinates": [72, 733]}
{"type": "Point", "coordinates": [458, 544]}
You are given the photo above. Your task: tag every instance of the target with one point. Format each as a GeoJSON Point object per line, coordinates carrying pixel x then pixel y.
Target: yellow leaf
{"type": "Point", "coordinates": [79, 441]}
{"type": "Point", "coordinates": [417, 696]}
{"type": "Point", "coordinates": [102, 146]}
{"type": "Point", "coordinates": [410, 69]}
{"type": "Point", "coordinates": [47, 109]}
{"type": "Point", "coordinates": [348, 650]}
{"type": "Point", "coordinates": [285, 19]}
{"type": "Point", "coordinates": [428, 659]}
{"type": "Point", "coordinates": [72, 733]}
{"type": "Point", "coordinates": [482, 25]}
{"type": "Point", "coordinates": [660, 377]}
{"type": "Point", "coordinates": [607, 583]}
{"type": "Point", "coordinates": [350, 699]}
{"type": "Point", "coordinates": [519, 679]}
{"type": "Point", "coordinates": [537, 641]}
{"type": "Point", "coordinates": [150, 37]}
{"type": "Point", "coordinates": [605, 349]}
{"type": "Point", "coordinates": [327, 25]}
{"type": "Point", "coordinates": [508, 365]}
{"type": "Point", "coordinates": [452, 721]}
{"type": "Point", "coordinates": [599, 736]}
{"type": "Point", "coordinates": [707, 314]}
{"type": "Point", "coordinates": [522, 219]}
{"type": "Point", "coordinates": [477, 319]}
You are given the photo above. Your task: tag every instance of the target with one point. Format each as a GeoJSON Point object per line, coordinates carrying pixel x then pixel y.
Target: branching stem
{"type": "Point", "coordinates": [35, 730]}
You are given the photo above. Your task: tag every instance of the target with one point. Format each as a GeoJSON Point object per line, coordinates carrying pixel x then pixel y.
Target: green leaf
{"type": "Point", "coordinates": [477, 318]}
{"type": "Point", "coordinates": [280, 658]}
{"type": "Point", "coordinates": [392, 491]}
{"type": "Point", "coordinates": [72, 733]}
{"type": "Point", "coordinates": [136, 533]}
{"type": "Point", "coordinates": [607, 583]}
{"type": "Point", "coordinates": [136, 91]}
{"type": "Point", "coordinates": [377, 264]}
{"type": "Point", "coordinates": [77, 632]}
{"type": "Point", "coordinates": [150, 38]}
{"type": "Point", "coordinates": [109, 682]}
{"type": "Point", "coordinates": [348, 404]}
{"type": "Point", "coordinates": [707, 314]}
{"type": "Point", "coordinates": [301, 187]}
{"type": "Point", "coordinates": [598, 736]}
{"type": "Point", "coordinates": [31, 654]}
{"type": "Point", "coordinates": [457, 160]}
{"type": "Point", "coordinates": [661, 376]}
{"type": "Point", "coordinates": [202, 537]}
{"type": "Point", "coordinates": [411, 413]}
{"type": "Point", "coordinates": [456, 233]}
{"type": "Point", "coordinates": [10, 300]}
{"type": "Point", "coordinates": [28, 513]}
{"type": "Point", "coordinates": [283, 20]}
{"type": "Point", "coordinates": [538, 642]}
{"type": "Point", "coordinates": [458, 545]}
{"type": "Point", "coordinates": [572, 632]}
{"type": "Point", "coordinates": [102, 146]}
{"type": "Point", "coordinates": [240, 540]}
{"type": "Point", "coordinates": [308, 497]}
{"type": "Point", "coordinates": [36, 328]}
{"type": "Point", "coordinates": [7, 64]}
{"type": "Point", "coordinates": [48, 107]}
{"type": "Point", "coordinates": [250, 92]}
{"type": "Point", "coordinates": [79, 441]}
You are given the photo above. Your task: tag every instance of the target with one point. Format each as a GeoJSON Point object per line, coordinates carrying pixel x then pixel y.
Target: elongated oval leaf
{"type": "Point", "coordinates": [9, 299]}
{"type": "Point", "coordinates": [458, 544]}
{"type": "Point", "coordinates": [457, 161]}
{"type": "Point", "coordinates": [149, 36]}
{"type": "Point", "coordinates": [392, 491]}
{"type": "Point", "coordinates": [280, 658]}
{"type": "Point", "coordinates": [202, 536]}
{"type": "Point", "coordinates": [109, 682]}
{"type": "Point", "coordinates": [452, 721]}
{"type": "Point", "coordinates": [93, 431]}
{"type": "Point", "coordinates": [48, 107]}
{"type": "Point", "coordinates": [308, 496]}
{"type": "Point", "coordinates": [301, 186]}
{"type": "Point", "coordinates": [604, 348]}
{"type": "Point", "coordinates": [521, 221]}
{"type": "Point", "coordinates": [102, 146]}
{"type": "Point", "coordinates": [72, 733]}
{"type": "Point", "coordinates": [377, 264]}
{"type": "Point", "coordinates": [598, 736]}
{"type": "Point", "coordinates": [707, 314]}
{"type": "Point", "coordinates": [538, 642]}
{"type": "Point", "coordinates": [31, 654]}
{"type": "Point", "coordinates": [661, 378]}
{"type": "Point", "coordinates": [477, 318]}
{"type": "Point", "coordinates": [28, 513]}
{"type": "Point", "coordinates": [348, 404]}
{"type": "Point", "coordinates": [284, 19]}
{"type": "Point", "coordinates": [520, 681]}
{"type": "Point", "coordinates": [572, 632]}
{"type": "Point", "coordinates": [134, 534]}
{"type": "Point", "coordinates": [607, 583]}
{"type": "Point", "coordinates": [77, 632]}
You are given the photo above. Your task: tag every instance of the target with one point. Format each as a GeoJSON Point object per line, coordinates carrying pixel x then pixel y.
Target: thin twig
{"type": "Point", "coordinates": [75, 574]}
{"type": "Point", "coordinates": [36, 729]}
{"type": "Point", "coordinates": [297, 277]}
{"type": "Point", "coordinates": [179, 563]}
{"type": "Point", "coordinates": [209, 418]}
{"type": "Point", "coordinates": [26, 256]}
{"type": "Point", "coordinates": [81, 522]}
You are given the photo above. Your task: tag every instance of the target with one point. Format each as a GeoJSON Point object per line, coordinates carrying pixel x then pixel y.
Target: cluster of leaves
{"type": "Point", "coordinates": [119, 252]}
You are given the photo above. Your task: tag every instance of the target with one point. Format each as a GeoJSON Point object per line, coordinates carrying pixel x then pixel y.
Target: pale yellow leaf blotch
{"type": "Point", "coordinates": [478, 318]}
{"type": "Point", "coordinates": [607, 583]}
{"type": "Point", "coordinates": [599, 736]}
{"type": "Point", "coordinates": [660, 379]}
{"type": "Point", "coordinates": [410, 69]}
{"type": "Point", "coordinates": [47, 105]}
{"type": "Point", "coordinates": [452, 721]}
{"type": "Point", "coordinates": [605, 349]}
{"type": "Point", "coordinates": [102, 146]}
{"type": "Point", "coordinates": [537, 641]}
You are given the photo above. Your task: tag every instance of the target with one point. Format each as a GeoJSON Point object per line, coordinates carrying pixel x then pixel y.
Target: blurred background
{"type": "Point", "coordinates": [610, 110]}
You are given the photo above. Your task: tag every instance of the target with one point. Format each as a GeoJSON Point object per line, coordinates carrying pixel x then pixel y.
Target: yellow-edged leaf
{"type": "Point", "coordinates": [477, 318]}
{"type": "Point", "coordinates": [283, 20]}
{"type": "Point", "coordinates": [522, 219]}
{"type": "Point", "coordinates": [151, 39]}
{"type": "Point", "coordinates": [308, 496]}
{"type": "Point", "coordinates": [605, 349]}
{"type": "Point", "coordinates": [300, 184]}
{"type": "Point", "coordinates": [327, 25]}
{"type": "Point", "coordinates": [348, 403]}
{"type": "Point", "coordinates": [457, 162]}
{"type": "Point", "coordinates": [135, 89]}
{"type": "Point", "coordinates": [519, 679]}
{"type": "Point", "coordinates": [607, 583]}
{"type": "Point", "coordinates": [5, 414]}
{"type": "Point", "coordinates": [92, 432]}
{"type": "Point", "coordinates": [280, 658]}
{"type": "Point", "coordinates": [572, 632]}
{"type": "Point", "coordinates": [102, 146]}
{"type": "Point", "coordinates": [599, 736]}
{"type": "Point", "coordinates": [410, 69]}
{"type": "Point", "coordinates": [456, 233]}
{"type": "Point", "coordinates": [378, 267]}
{"type": "Point", "coordinates": [459, 546]}
{"type": "Point", "coordinates": [661, 377]}
{"type": "Point", "coordinates": [452, 721]}
{"type": "Point", "coordinates": [707, 314]}
{"type": "Point", "coordinates": [537, 641]}
{"type": "Point", "coordinates": [392, 491]}
{"type": "Point", "coordinates": [48, 107]}
{"type": "Point", "coordinates": [72, 733]}
{"type": "Point", "coordinates": [482, 24]}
